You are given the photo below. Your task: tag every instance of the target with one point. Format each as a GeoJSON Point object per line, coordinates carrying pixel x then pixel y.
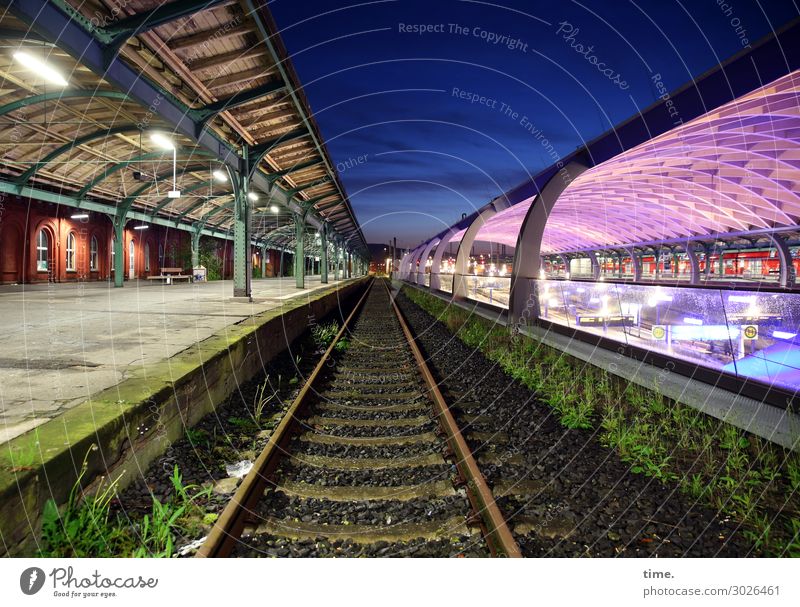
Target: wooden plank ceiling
{"type": "Point", "coordinates": [222, 52]}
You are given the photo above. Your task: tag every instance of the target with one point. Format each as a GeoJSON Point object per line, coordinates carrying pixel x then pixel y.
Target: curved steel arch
{"type": "Point", "coordinates": [424, 257]}
{"type": "Point", "coordinates": [527, 254]}
{"type": "Point", "coordinates": [28, 173]}
{"type": "Point", "coordinates": [124, 163]}
{"type": "Point", "coordinates": [436, 266]}
{"type": "Point", "coordinates": [127, 202]}
{"type": "Point", "coordinates": [464, 247]}
{"type": "Point", "coordinates": [58, 95]}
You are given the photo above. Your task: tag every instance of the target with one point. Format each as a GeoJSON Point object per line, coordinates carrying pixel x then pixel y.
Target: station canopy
{"type": "Point", "coordinates": [731, 171]}
{"type": "Point", "coordinates": [223, 73]}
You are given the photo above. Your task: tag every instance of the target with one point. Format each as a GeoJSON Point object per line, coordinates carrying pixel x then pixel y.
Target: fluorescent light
{"type": "Point", "coordinates": [274, 209]}
{"type": "Point", "coordinates": [220, 175]}
{"type": "Point", "coordinates": [252, 196]}
{"type": "Point", "coordinates": [783, 335]}
{"type": "Point", "coordinates": [174, 194]}
{"type": "Point", "coordinates": [742, 298]}
{"type": "Point", "coordinates": [41, 68]}
{"type": "Point", "coordinates": [80, 216]}
{"type": "Point", "coordinates": [162, 141]}
{"type": "Point", "coordinates": [692, 321]}
{"type": "Point", "coordinates": [140, 227]}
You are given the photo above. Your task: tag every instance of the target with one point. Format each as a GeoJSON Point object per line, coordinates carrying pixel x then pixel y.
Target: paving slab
{"type": "Point", "coordinates": [65, 342]}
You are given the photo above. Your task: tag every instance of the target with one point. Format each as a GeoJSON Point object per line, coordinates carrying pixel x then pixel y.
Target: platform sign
{"type": "Point", "coordinates": [750, 331]}
{"type": "Point", "coordinates": [659, 332]}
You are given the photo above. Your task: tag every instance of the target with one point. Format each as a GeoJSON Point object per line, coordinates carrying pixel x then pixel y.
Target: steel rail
{"type": "Point", "coordinates": [228, 528]}
{"type": "Point", "coordinates": [495, 529]}
{"type": "Point", "coordinates": [240, 511]}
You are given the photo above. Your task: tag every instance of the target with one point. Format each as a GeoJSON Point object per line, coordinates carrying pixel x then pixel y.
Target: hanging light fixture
{"type": "Point", "coordinates": [41, 68]}
{"type": "Point", "coordinates": [166, 143]}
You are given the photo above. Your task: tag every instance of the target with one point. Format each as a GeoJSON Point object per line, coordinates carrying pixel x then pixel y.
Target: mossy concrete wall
{"type": "Point", "coordinates": [121, 430]}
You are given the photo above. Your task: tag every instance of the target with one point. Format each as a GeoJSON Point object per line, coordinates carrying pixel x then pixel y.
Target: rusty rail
{"type": "Point", "coordinates": [495, 529]}
{"type": "Point", "coordinates": [229, 526]}
{"type": "Point", "coordinates": [240, 510]}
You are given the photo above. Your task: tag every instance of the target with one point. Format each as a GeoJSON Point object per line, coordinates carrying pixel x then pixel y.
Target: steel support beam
{"type": "Point", "coordinates": [299, 254]}
{"type": "Point", "coordinates": [465, 246]}
{"type": "Point", "coordinates": [196, 248]}
{"type": "Point", "coordinates": [636, 263]}
{"type": "Point", "coordinates": [527, 255]}
{"type": "Point", "coordinates": [58, 96]}
{"type": "Point", "coordinates": [262, 149]}
{"type": "Point", "coordinates": [424, 260]}
{"type": "Point", "coordinates": [788, 274]}
{"type": "Point", "coordinates": [71, 31]}
{"type": "Point", "coordinates": [67, 147]}
{"type": "Point", "coordinates": [119, 249]}
{"type": "Point", "coordinates": [121, 165]}
{"type": "Point", "coordinates": [116, 33]}
{"type": "Point", "coordinates": [323, 254]}
{"type": "Point", "coordinates": [242, 265]}
{"type": "Point", "coordinates": [694, 265]}
{"type": "Point", "coordinates": [241, 97]}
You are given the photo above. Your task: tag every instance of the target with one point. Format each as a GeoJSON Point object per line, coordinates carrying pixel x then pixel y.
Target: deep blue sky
{"type": "Point", "coordinates": [415, 156]}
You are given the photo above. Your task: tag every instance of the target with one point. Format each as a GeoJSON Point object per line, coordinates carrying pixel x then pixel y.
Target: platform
{"type": "Point", "coordinates": [65, 342]}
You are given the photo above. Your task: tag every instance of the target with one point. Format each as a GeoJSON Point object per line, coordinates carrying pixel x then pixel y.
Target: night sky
{"type": "Point", "coordinates": [401, 111]}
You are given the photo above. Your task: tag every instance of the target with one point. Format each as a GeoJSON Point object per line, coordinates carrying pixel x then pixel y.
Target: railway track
{"type": "Point", "coordinates": [367, 460]}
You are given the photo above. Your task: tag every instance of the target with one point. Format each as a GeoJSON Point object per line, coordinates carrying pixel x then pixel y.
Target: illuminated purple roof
{"type": "Point", "coordinates": [505, 225]}
{"type": "Point", "coordinates": [736, 168]}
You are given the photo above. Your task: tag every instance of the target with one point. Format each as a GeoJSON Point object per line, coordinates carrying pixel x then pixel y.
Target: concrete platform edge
{"type": "Point", "coordinates": [119, 431]}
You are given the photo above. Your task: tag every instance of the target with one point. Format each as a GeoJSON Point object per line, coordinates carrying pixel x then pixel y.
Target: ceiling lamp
{"type": "Point", "coordinates": [252, 196]}
{"type": "Point", "coordinates": [41, 68]}
{"type": "Point", "coordinates": [166, 143]}
{"type": "Point", "coordinates": [274, 209]}
{"type": "Point", "coordinates": [162, 141]}
{"type": "Point", "coordinates": [220, 175]}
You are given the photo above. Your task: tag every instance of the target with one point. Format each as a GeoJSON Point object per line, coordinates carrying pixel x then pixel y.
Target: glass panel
{"type": "Point", "coordinates": [686, 323]}
{"type": "Point", "coordinates": [446, 283]}
{"type": "Point", "coordinates": [746, 333]}
{"type": "Point", "coordinates": [766, 345]}
{"type": "Point", "coordinates": [493, 290]}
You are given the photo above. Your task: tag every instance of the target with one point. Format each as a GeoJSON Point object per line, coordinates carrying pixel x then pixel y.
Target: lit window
{"type": "Point", "coordinates": [71, 251]}
{"type": "Point", "coordinates": [93, 254]}
{"type": "Point", "coordinates": [147, 257]}
{"type": "Point", "coordinates": [113, 252]}
{"type": "Point", "coordinates": [42, 251]}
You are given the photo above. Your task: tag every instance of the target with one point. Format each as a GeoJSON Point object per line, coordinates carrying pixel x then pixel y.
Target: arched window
{"type": "Point", "coordinates": [42, 251]}
{"type": "Point", "coordinates": [147, 257]}
{"type": "Point", "coordinates": [71, 252]}
{"type": "Point", "coordinates": [160, 255]}
{"type": "Point", "coordinates": [93, 254]}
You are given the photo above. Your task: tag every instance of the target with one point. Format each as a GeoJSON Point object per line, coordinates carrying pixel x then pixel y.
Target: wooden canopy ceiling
{"type": "Point", "coordinates": [223, 62]}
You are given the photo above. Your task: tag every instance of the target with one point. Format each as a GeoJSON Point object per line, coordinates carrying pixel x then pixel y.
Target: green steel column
{"type": "Point", "coordinates": [348, 270]}
{"type": "Point", "coordinates": [242, 268]}
{"type": "Point", "coordinates": [299, 256]}
{"type": "Point", "coordinates": [195, 249]}
{"type": "Point", "coordinates": [323, 255]}
{"type": "Point", "coordinates": [119, 250]}
{"type": "Point", "coordinates": [335, 260]}
{"type": "Point", "coordinates": [263, 261]}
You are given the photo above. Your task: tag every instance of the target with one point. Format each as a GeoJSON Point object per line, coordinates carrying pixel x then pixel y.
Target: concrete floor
{"type": "Point", "coordinates": [64, 342]}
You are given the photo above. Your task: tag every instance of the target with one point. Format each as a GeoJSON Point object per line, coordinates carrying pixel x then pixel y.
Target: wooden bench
{"type": "Point", "coordinates": [168, 275]}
